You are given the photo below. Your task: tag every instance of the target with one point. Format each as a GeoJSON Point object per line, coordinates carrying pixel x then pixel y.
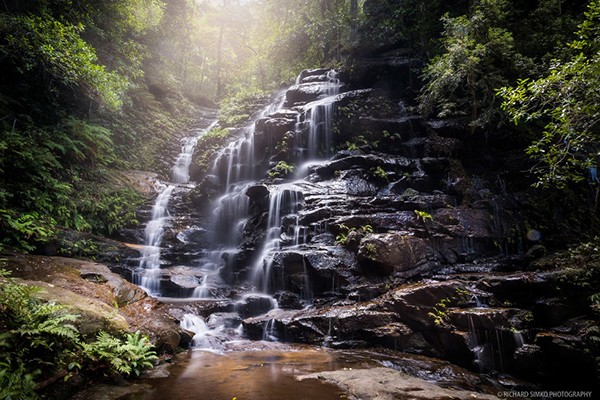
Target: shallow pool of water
{"type": "Point", "coordinates": [256, 374]}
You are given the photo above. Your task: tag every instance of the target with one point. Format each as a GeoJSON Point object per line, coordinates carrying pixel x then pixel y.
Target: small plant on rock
{"type": "Point", "coordinates": [380, 173]}
{"type": "Point", "coordinates": [343, 237]}
{"type": "Point", "coordinates": [371, 251]}
{"type": "Point", "coordinates": [423, 216]}
{"type": "Point", "coordinates": [281, 170]}
{"type": "Point", "coordinates": [439, 312]}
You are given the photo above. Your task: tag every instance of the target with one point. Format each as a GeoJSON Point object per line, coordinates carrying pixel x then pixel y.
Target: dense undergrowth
{"type": "Point", "coordinates": [41, 345]}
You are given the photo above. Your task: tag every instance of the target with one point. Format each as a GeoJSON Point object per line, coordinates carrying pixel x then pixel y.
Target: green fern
{"type": "Point", "coordinates": [38, 339]}
{"type": "Point", "coordinates": [124, 358]}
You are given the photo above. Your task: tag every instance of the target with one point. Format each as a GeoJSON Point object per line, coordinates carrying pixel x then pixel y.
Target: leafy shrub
{"type": "Point", "coordinates": [56, 48]}
{"type": "Point", "coordinates": [126, 358]}
{"type": "Point", "coordinates": [107, 208]}
{"type": "Point", "coordinates": [35, 336]}
{"type": "Point", "coordinates": [39, 341]}
{"type": "Point", "coordinates": [237, 108]}
{"type": "Point", "coordinates": [24, 230]}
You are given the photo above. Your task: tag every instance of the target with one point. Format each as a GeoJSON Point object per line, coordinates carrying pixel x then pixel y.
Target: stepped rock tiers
{"type": "Point", "coordinates": [339, 218]}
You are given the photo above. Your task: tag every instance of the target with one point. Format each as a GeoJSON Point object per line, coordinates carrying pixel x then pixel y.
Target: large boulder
{"type": "Point", "coordinates": [414, 303]}
{"type": "Point", "coordinates": [392, 253]}
{"type": "Point", "coordinates": [104, 300]}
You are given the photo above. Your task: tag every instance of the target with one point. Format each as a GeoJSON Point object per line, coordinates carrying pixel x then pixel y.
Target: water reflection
{"type": "Point", "coordinates": [249, 375]}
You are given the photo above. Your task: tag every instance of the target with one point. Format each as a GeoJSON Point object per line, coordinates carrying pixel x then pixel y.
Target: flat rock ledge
{"type": "Point", "coordinates": [389, 384]}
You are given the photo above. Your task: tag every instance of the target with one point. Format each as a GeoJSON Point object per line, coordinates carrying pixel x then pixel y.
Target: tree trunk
{"type": "Point", "coordinates": [353, 19]}
{"type": "Point", "coordinates": [219, 60]}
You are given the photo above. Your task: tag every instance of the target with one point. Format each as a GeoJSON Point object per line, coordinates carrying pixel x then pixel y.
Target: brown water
{"type": "Point", "coordinates": [261, 374]}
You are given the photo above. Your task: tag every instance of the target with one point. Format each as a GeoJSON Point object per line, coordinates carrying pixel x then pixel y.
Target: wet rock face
{"type": "Point", "coordinates": [393, 239]}
{"type": "Point", "coordinates": [393, 253]}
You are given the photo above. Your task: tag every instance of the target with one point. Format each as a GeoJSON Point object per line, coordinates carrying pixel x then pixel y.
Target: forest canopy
{"type": "Point", "coordinates": [92, 87]}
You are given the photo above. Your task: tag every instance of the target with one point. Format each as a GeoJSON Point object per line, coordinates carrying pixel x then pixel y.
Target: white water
{"type": "Point", "coordinates": [320, 116]}
{"type": "Point", "coordinates": [153, 234]}
{"type": "Point", "coordinates": [211, 266]}
{"type": "Point", "coordinates": [181, 169]}
{"type": "Point", "coordinates": [237, 170]}
{"type": "Point", "coordinates": [148, 273]}
{"type": "Point", "coordinates": [204, 337]}
{"type": "Point", "coordinates": [285, 200]}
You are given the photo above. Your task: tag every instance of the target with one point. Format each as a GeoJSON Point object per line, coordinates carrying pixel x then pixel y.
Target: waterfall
{"type": "Point", "coordinates": [210, 266]}
{"type": "Point", "coordinates": [181, 168]}
{"type": "Point", "coordinates": [153, 234]}
{"type": "Point", "coordinates": [148, 272]}
{"type": "Point", "coordinates": [204, 337]}
{"type": "Point", "coordinates": [285, 201]}
{"type": "Point", "coordinates": [238, 168]}
{"type": "Point", "coordinates": [319, 115]}
{"type": "Point", "coordinates": [270, 331]}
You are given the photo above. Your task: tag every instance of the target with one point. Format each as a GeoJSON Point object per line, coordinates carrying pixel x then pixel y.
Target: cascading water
{"type": "Point", "coordinates": [285, 201]}
{"type": "Point", "coordinates": [147, 274]}
{"type": "Point", "coordinates": [320, 127]}
{"type": "Point", "coordinates": [318, 119]}
{"type": "Point", "coordinates": [153, 234]}
{"type": "Point", "coordinates": [181, 169]}
{"type": "Point", "coordinates": [237, 169]}
{"type": "Point", "coordinates": [204, 336]}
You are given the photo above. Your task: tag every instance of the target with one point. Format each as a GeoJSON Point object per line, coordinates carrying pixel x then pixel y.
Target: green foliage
{"type": "Point", "coordinates": [581, 271]}
{"type": "Point", "coordinates": [124, 358]}
{"type": "Point", "coordinates": [83, 144]}
{"type": "Point", "coordinates": [360, 141]}
{"type": "Point", "coordinates": [281, 170]}
{"type": "Point", "coordinates": [392, 137]}
{"type": "Point", "coordinates": [42, 44]}
{"type": "Point", "coordinates": [566, 103]}
{"type": "Point", "coordinates": [351, 146]}
{"type": "Point", "coordinates": [423, 216]}
{"type": "Point", "coordinates": [343, 237]}
{"type": "Point", "coordinates": [379, 172]}
{"type": "Point", "coordinates": [24, 230]}
{"type": "Point", "coordinates": [238, 107]}
{"type": "Point", "coordinates": [36, 338]}
{"type": "Point", "coordinates": [107, 208]}
{"type": "Point", "coordinates": [479, 56]}
{"type": "Point", "coordinates": [208, 146]}
{"type": "Point", "coordinates": [579, 281]}
{"type": "Point", "coordinates": [52, 178]}
{"type": "Point", "coordinates": [439, 311]}
{"type": "Point", "coordinates": [414, 22]}
{"type": "Point", "coordinates": [370, 250]}
{"type": "Point", "coordinates": [39, 340]}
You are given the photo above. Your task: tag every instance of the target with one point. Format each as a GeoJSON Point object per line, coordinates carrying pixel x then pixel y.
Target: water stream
{"type": "Point", "coordinates": [147, 274]}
